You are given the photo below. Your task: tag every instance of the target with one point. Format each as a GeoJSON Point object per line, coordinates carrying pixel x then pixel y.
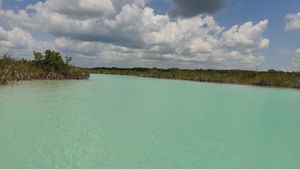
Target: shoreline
{"type": "Point", "coordinates": [47, 65]}
{"type": "Point", "coordinates": [216, 83]}
{"type": "Point", "coordinates": [277, 79]}
{"type": "Point", "coordinates": [13, 80]}
{"type": "Point", "coordinates": [152, 77]}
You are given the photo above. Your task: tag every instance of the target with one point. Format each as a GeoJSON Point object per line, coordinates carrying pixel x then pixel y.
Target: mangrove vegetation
{"type": "Point", "coordinates": [46, 65]}
{"type": "Point", "coordinates": [49, 65]}
{"type": "Point", "coordinates": [264, 78]}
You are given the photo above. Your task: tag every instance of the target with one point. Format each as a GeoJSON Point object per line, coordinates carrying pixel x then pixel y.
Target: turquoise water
{"type": "Point", "coordinates": [120, 122]}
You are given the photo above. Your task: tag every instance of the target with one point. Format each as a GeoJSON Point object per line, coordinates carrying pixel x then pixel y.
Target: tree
{"type": "Point", "coordinates": [50, 60]}
{"type": "Point", "coordinates": [38, 56]}
{"type": "Point", "coordinates": [54, 60]}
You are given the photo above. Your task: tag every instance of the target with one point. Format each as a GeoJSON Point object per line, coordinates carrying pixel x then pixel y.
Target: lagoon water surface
{"type": "Point", "coordinates": [121, 122]}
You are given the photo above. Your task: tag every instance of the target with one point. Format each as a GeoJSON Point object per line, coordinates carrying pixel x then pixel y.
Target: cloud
{"type": "Point", "coordinates": [190, 8]}
{"type": "Point", "coordinates": [296, 59]}
{"type": "Point", "coordinates": [79, 9]}
{"type": "Point", "coordinates": [20, 42]}
{"type": "Point", "coordinates": [292, 21]}
{"type": "Point", "coordinates": [127, 33]}
{"type": "Point", "coordinates": [3, 34]}
{"type": "Point", "coordinates": [247, 36]}
{"type": "Point", "coordinates": [16, 38]}
{"type": "Point", "coordinates": [81, 22]}
{"type": "Point", "coordinates": [189, 43]}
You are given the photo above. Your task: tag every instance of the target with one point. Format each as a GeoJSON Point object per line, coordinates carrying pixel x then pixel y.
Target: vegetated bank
{"type": "Point", "coordinates": [267, 78]}
{"type": "Point", "coordinates": [48, 65]}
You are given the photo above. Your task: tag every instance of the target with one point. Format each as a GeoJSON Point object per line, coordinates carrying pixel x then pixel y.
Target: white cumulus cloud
{"type": "Point", "coordinates": [292, 21]}
{"type": "Point", "coordinates": [20, 42]}
{"type": "Point", "coordinates": [128, 33]}
{"type": "Point", "coordinates": [296, 59]}
{"type": "Point", "coordinates": [247, 36]}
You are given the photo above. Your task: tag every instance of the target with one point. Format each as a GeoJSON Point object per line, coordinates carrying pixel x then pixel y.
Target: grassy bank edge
{"type": "Point", "coordinates": [269, 78]}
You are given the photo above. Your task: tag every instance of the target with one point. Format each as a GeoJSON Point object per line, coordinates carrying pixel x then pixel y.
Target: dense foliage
{"type": "Point", "coordinates": [50, 65]}
{"type": "Point", "coordinates": [47, 65]}
{"type": "Point", "coordinates": [268, 78]}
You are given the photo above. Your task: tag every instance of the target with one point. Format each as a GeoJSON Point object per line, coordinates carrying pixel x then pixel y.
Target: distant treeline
{"type": "Point", "coordinates": [46, 65]}
{"type": "Point", "coordinates": [51, 65]}
{"type": "Point", "coordinates": [267, 78]}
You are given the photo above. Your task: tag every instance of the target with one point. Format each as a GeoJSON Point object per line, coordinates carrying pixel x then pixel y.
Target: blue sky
{"type": "Point", "coordinates": [239, 11]}
{"type": "Point", "coordinates": [279, 53]}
